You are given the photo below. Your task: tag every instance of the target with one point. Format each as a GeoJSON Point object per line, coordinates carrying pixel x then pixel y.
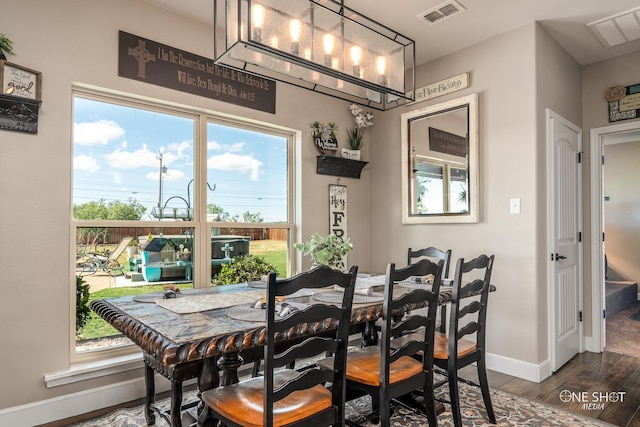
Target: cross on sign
{"type": "Point", "coordinates": [142, 55]}
{"type": "Point", "coordinates": [227, 249]}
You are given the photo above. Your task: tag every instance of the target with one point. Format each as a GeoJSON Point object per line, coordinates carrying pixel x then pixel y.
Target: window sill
{"type": "Point", "coordinates": [94, 369]}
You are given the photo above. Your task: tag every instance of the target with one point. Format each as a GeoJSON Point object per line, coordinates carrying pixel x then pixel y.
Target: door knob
{"type": "Point", "coordinates": [558, 257]}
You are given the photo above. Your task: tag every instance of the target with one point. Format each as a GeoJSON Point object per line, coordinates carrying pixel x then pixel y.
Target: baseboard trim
{"type": "Point", "coordinates": [517, 368]}
{"type": "Point", "coordinates": [71, 405]}
{"type": "Point", "coordinates": [74, 404]}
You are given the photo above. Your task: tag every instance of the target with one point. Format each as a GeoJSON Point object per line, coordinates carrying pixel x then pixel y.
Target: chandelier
{"type": "Point", "coordinates": [319, 45]}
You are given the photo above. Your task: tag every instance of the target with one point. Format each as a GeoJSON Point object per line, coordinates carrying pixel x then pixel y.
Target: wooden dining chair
{"type": "Point", "coordinates": [386, 372]}
{"type": "Point", "coordinates": [453, 351]}
{"type": "Point", "coordinates": [435, 254]}
{"type": "Point", "coordinates": [284, 396]}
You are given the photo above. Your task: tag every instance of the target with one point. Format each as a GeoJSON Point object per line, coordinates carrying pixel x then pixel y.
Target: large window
{"type": "Point", "coordinates": [149, 211]}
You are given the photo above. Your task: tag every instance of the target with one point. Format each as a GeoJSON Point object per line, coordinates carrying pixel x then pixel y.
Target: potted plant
{"type": "Point", "coordinates": [132, 249]}
{"type": "Point", "coordinates": [327, 250]}
{"type": "Point", "coordinates": [6, 46]}
{"type": "Point", "coordinates": [356, 134]}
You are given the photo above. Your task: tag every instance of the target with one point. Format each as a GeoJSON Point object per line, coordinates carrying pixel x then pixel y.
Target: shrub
{"type": "Point", "coordinates": [82, 303]}
{"type": "Point", "coordinates": [243, 269]}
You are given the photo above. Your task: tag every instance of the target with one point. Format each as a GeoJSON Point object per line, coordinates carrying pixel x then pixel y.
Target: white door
{"type": "Point", "coordinates": [565, 238]}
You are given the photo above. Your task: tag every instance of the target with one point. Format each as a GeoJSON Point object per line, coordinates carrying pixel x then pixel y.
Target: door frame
{"type": "Point", "coordinates": [551, 227]}
{"type": "Point", "coordinates": [614, 134]}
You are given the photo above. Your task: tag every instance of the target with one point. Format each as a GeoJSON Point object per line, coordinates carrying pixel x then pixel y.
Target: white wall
{"type": "Point", "coordinates": [76, 41]}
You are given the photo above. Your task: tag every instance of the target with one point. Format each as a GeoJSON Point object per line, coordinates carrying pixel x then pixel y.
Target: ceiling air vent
{"type": "Point", "coordinates": [441, 12]}
{"type": "Point", "coordinates": [618, 29]}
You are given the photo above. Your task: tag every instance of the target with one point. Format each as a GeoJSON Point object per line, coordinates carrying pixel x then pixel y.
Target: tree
{"type": "Point", "coordinates": [252, 217]}
{"type": "Point", "coordinates": [222, 214]}
{"type": "Point", "coordinates": [116, 210]}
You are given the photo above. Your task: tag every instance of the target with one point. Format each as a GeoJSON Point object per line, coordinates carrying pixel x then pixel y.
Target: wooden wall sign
{"type": "Point", "coordinates": [443, 87]}
{"type": "Point", "coordinates": [20, 81]}
{"type": "Point", "coordinates": [338, 215]}
{"type": "Point", "coordinates": [161, 65]}
{"type": "Point", "coordinates": [624, 102]}
{"type": "Point", "coordinates": [449, 143]}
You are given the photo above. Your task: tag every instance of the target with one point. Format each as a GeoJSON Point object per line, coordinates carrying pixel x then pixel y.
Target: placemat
{"type": "Point", "coordinates": [336, 297]}
{"type": "Point", "coordinates": [197, 303]}
{"type": "Point", "coordinates": [154, 296]}
{"type": "Point", "coordinates": [370, 281]}
{"type": "Point", "coordinates": [249, 313]}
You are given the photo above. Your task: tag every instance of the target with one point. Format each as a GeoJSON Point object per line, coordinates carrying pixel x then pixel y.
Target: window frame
{"type": "Point", "coordinates": [201, 273]}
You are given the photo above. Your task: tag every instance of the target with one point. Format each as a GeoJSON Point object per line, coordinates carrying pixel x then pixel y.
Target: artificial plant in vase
{"type": "Point", "coordinates": [325, 250]}
{"type": "Point", "coordinates": [363, 121]}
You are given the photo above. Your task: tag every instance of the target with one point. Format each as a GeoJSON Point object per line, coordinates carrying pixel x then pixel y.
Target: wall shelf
{"type": "Point", "coordinates": [18, 113]}
{"type": "Point", "coordinates": [339, 166]}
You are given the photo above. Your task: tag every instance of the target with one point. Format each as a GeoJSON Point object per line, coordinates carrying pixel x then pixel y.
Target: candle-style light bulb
{"type": "Point", "coordinates": [327, 43]}
{"type": "Point", "coordinates": [381, 66]}
{"type": "Point", "coordinates": [257, 20]}
{"type": "Point", "coordinates": [295, 28]}
{"type": "Point", "coordinates": [356, 57]}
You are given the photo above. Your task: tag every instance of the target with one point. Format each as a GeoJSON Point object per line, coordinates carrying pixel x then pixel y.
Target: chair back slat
{"type": "Point", "coordinates": [305, 380]}
{"type": "Point", "coordinates": [306, 349]}
{"type": "Point", "coordinates": [308, 315]}
{"type": "Point", "coordinates": [432, 252]}
{"type": "Point", "coordinates": [472, 307]}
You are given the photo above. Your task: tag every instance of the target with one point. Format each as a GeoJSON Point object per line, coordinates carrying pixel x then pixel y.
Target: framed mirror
{"type": "Point", "coordinates": [440, 163]}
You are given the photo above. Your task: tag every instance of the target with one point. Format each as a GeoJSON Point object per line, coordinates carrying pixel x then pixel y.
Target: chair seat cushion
{"type": "Point", "coordinates": [243, 403]}
{"type": "Point", "coordinates": [441, 346]}
{"type": "Point", "coordinates": [363, 366]}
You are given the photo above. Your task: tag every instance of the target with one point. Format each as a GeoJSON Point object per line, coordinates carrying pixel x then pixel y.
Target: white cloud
{"type": "Point", "coordinates": [97, 133]}
{"type": "Point", "coordinates": [120, 159]}
{"type": "Point", "coordinates": [235, 162]}
{"type": "Point", "coordinates": [171, 175]}
{"type": "Point", "coordinates": [85, 163]}
{"type": "Point", "coordinates": [232, 148]}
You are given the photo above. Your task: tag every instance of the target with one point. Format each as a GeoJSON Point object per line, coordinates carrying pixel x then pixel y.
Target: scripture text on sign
{"type": "Point", "coordinates": [148, 61]}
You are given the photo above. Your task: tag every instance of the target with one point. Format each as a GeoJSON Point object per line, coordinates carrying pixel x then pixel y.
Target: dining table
{"type": "Point", "coordinates": [209, 333]}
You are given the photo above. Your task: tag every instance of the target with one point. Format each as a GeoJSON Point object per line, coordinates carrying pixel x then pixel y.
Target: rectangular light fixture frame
{"type": "Point", "coordinates": [269, 45]}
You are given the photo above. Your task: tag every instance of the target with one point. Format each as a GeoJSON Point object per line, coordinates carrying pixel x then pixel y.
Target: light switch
{"type": "Point", "coordinates": [514, 206]}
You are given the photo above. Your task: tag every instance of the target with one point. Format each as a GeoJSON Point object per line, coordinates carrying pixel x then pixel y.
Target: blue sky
{"type": "Point", "coordinates": [116, 157]}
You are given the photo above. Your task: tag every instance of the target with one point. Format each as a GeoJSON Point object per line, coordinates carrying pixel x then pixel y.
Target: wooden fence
{"type": "Point", "coordinates": [117, 234]}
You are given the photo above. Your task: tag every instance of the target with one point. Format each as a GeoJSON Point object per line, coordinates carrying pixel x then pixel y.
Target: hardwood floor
{"type": "Point", "coordinates": [595, 381]}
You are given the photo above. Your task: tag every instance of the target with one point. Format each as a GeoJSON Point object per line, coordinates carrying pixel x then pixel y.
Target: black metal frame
{"type": "Point", "coordinates": [400, 98]}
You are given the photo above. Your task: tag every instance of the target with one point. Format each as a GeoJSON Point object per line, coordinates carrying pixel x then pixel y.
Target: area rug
{"type": "Point", "coordinates": [510, 410]}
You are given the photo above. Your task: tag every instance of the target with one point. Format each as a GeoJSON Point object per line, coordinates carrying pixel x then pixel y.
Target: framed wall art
{"type": "Point", "coordinates": [20, 81]}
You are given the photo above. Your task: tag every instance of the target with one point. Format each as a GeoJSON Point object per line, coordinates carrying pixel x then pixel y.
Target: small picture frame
{"type": "Point", "coordinates": [20, 81]}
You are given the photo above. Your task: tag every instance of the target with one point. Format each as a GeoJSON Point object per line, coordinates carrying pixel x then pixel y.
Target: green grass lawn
{"type": "Point", "coordinates": [275, 252]}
